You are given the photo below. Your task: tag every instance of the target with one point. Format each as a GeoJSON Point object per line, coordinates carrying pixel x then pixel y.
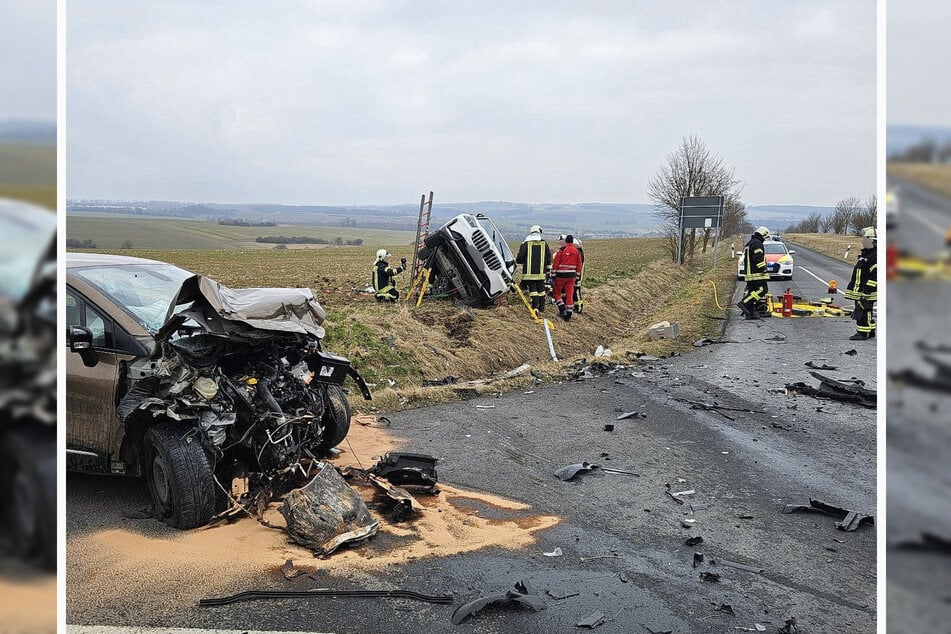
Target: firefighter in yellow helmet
{"type": "Point", "coordinates": [534, 255]}
{"type": "Point", "coordinates": [383, 275]}
{"type": "Point", "coordinates": [863, 287]}
{"type": "Point", "coordinates": [755, 274]}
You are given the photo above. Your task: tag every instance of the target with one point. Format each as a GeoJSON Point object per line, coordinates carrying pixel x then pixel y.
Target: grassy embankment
{"type": "Point", "coordinates": [936, 177]}
{"type": "Point", "coordinates": [629, 283]}
{"type": "Point", "coordinates": [28, 173]}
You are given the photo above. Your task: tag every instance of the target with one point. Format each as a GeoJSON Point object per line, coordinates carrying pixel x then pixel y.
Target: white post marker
{"type": "Point", "coordinates": [551, 346]}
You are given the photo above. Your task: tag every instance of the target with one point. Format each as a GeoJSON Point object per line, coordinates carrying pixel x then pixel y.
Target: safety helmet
{"type": "Point", "coordinates": [762, 231]}
{"type": "Point", "coordinates": [382, 253]}
{"type": "Point", "coordinates": [869, 232]}
{"type": "Point", "coordinates": [535, 229]}
{"type": "Point", "coordinates": [562, 237]}
{"type": "Point", "coordinates": [577, 242]}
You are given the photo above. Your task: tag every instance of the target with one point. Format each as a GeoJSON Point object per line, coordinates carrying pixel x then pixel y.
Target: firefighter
{"type": "Point", "coordinates": [754, 270]}
{"type": "Point", "coordinates": [383, 275]}
{"type": "Point", "coordinates": [534, 255]}
{"type": "Point", "coordinates": [863, 287]}
{"type": "Point", "coordinates": [579, 297]}
{"type": "Point", "coordinates": [564, 271]}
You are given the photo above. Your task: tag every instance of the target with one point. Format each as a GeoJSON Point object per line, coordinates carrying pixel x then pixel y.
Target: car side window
{"type": "Point", "coordinates": [80, 313]}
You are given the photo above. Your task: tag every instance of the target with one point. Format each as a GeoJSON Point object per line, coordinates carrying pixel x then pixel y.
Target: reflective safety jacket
{"type": "Point", "coordinates": [864, 282]}
{"type": "Point", "coordinates": [534, 255]}
{"type": "Point", "coordinates": [754, 260]}
{"type": "Point", "coordinates": [567, 262]}
{"type": "Point", "coordinates": [581, 270]}
{"type": "Point", "coordinates": [382, 274]}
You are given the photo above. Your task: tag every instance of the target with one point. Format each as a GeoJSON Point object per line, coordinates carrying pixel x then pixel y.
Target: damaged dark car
{"type": "Point", "coordinates": [28, 383]}
{"type": "Point", "coordinates": [222, 398]}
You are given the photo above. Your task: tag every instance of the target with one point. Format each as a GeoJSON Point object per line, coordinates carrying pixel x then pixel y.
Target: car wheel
{"type": "Point", "coordinates": [336, 418]}
{"type": "Point", "coordinates": [432, 241]}
{"type": "Point", "coordinates": [29, 486]}
{"type": "Point", "coordinates": [424, 254]}
{"type": "Point", "coordinates": [179, 476]}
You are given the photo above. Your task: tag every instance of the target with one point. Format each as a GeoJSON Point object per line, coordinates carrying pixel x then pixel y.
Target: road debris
{"type": "Point", "coordinates": [447, 380]}
{"type": "Point", "coordinates": [591, 621]}
{"type": "Point", "coordinates": [676, 496]}
{"type": "Point", "coordinates": [693, 541]}
{"type": "Point", "coordinates": [927, 542]}
{"type": "Point", "coordinates": [554, 553]}
{"type": "Point", "coordinates": [709, 576]}
{"type": "Point", "coordinates": [570, 471]}
{"type": "Point", "coordinates": [522, 594]}
{"type": "Point", "coordinates": [563, 595]}
{"type": "Point", "coordinates": [688, 523]}
{"type": "Point", "coordinates": [584, 559]}
{"type": "Point", "coordinates": [940, 382]}
{"type": "Point", "coordinates": [405, 505]}
{"type": "Point", "coordinates": [634, 414]}
{"type": "Point", "coordinates": [726, 608]}
{"type": "Point", "coordinates": [326, 513]}
{"type": "Point", "coordinates": [697, 559]}
{"type": "Point", "coordinates": [820, 366]}
{"type": "Point", "coordinates": [790, 627]}
{"type": "Point", "coordinates": [738, 566]}
{"type": "Point", "coordinates": [853, 391]}
{"type": "Point", "coordinates": [290, 571]}
{"type": "Point", "coordinates": [407, 468]}
{"type": "Point", "coordinates": [609, 427]}
{"type": "Point", "coordinates": [251, 595]}
{"type": "Point", "coordinates": [851, 352]}
{"type": "Point", "coordinates": [850, 520]}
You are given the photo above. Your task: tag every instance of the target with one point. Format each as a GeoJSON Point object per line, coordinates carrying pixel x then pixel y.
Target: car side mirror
{"type": "Point", "coordinates": [792, 251]}
{"type": "Point", "coordinates": [79, 339]}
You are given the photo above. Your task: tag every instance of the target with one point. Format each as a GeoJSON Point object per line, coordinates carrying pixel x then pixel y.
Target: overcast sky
{"type": "Point", "coordinates": [917, 49]}
{"type": "Point", "coordinates": [28, 59]}
{"type": "Point", "coordinates": [378, 102]}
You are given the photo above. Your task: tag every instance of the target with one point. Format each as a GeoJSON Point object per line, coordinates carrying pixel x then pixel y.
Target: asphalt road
{"type": "Point", "coordinates": [918, 435]}
{"type": "Point", "coordinates": [744, 465]}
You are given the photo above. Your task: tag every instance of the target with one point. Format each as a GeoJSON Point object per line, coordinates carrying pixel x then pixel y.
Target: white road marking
{"type": "Point", "coordinates": [824, 282]}
{"type": "Point", "coordinates": [131, 629]}
{"type": "Point", "coordinates": [926, 221]}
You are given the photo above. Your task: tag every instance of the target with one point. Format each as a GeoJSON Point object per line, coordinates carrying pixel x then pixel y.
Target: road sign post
{"type": "Point", "coordinates": [700, 212]}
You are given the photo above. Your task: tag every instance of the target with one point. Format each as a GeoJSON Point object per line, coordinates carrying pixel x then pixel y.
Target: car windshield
{"type": "Point", "coordinates": [143, 291]}
{"type": "Point", "coordinates": [775, 247]}
{"type": "Point", "coordinates": [27, 233]}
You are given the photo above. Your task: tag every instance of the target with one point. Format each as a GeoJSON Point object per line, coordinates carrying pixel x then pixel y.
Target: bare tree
{"type": "Point", "coordinates": [845, 210]}
{"type": "Point", "coordinates": [690, 170]}
{"type": "Point", "coordinates": [825, 225]}
{"type": "Point", "coordinates": [866, 216]}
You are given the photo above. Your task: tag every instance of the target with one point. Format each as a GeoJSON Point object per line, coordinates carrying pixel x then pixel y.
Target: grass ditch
{"type": "Point", "coordinates": [629, 285]}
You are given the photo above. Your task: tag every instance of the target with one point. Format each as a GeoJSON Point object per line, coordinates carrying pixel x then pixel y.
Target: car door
{"type": "Point", "coordinates": [91, 421]}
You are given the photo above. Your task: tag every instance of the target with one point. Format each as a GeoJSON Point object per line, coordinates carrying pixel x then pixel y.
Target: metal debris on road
{"type": "Point", "coordinates": [634, 414]}
{"type": "Point", "coordinates": [554, 553]}
{"type": "Point", "coordinates": [326, 513]}
{"type": "Point", "coordinates": [850, 520]}
{"type": "Point", "coordinates": [584, 559]}
{"type": "Point", "coordinates": [709, 576]}
{"type": "Point", "coordinates": [820, 366]}
{"type": "Point", "coordinates": [521, 594]}
{"type": "Point", "coordinates": [846, 391]}
{"type": "Point", "coordinates": [697, 559]}
{"type": "Point", "coordinates": [747, 568]}
{"type": "Point", "coordinates": [693, 541]}
{"type": "Point", "coordinates": [560, 597]}
{"type": "Point", "coordinates": [928, 542]}
{"type": "Point", "coordinates": [570, 471]}
{"type": "Point", "coordinates": [591, 621]}
{"type": "Point", "coordinates": [688, 523]}
{"type": "Point", "coordinates": [251, 595]}
{"type": "Point", "coordinates": [290, 571]}
{"type": "Point", "coordinates": [485, 406]}
{"type": "Point", "coordinates": [407, 468]}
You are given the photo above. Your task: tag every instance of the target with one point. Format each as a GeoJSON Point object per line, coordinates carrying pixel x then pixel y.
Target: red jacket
{"type": "Point", "coordinates": [567, 262]}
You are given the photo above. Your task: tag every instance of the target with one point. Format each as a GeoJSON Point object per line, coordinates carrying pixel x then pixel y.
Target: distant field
{"type": "Point", "coordinates": [28, 172]}
{"type": "Point", "coordinates": [935, 177]}
{"type": "Point", "coordinates": [110, 232]}
{"type": "Point", "coordinates": [828, 244]}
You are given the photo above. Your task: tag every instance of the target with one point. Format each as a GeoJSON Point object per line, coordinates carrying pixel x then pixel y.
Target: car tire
{"type": "Point", "coordinates": [179, 477]}
{"type": "Point", "coordinates": [423, 254]}
{"type": "Point", "coordinates": [29, 486]}
{"type": "Point", "coordinates": [432, 241]}
{"type": "Point", "coordinates": [336, 418]}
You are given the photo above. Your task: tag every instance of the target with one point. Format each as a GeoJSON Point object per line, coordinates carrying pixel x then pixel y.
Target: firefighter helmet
{"type": "Point", "coordinates": [535, 229]}
{"type": "Point", "coordinates": [382, 253]}
{"type": "Point", "coordinates": [577, 242]}
{"type": "Point", "coordinates": [763, 232]}
{"type": "Point", "coordinates": [869, 232]}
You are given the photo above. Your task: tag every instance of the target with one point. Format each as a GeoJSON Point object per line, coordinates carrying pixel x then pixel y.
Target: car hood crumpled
{"type": "Point", "coordinates": [229, 311]}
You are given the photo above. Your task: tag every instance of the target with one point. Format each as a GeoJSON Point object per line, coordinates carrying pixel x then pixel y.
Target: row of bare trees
{"type": "Point", "coordinates": [692, 170]}
{"type": "Point", "coordinates": [850, 215]}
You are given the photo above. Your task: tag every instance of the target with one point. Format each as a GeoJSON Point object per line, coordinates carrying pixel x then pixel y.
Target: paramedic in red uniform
{"type": "Point", "coordinates": [565, 269]}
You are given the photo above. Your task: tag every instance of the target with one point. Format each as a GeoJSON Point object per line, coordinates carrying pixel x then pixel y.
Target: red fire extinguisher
{"type": "Point", "coordinates": [787, 303]}
{"type": "Point", "coordinates": [891, 260]}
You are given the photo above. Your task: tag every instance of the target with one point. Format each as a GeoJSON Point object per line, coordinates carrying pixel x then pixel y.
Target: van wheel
{"type": "Point", "coordinates": [432, 241]}
{"type": "Point", "coordinates": [179, 477]}
{"type": "Point", "coordinates": [28, 483]}
{"type": "Point", "coordinates": [336, 418]}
